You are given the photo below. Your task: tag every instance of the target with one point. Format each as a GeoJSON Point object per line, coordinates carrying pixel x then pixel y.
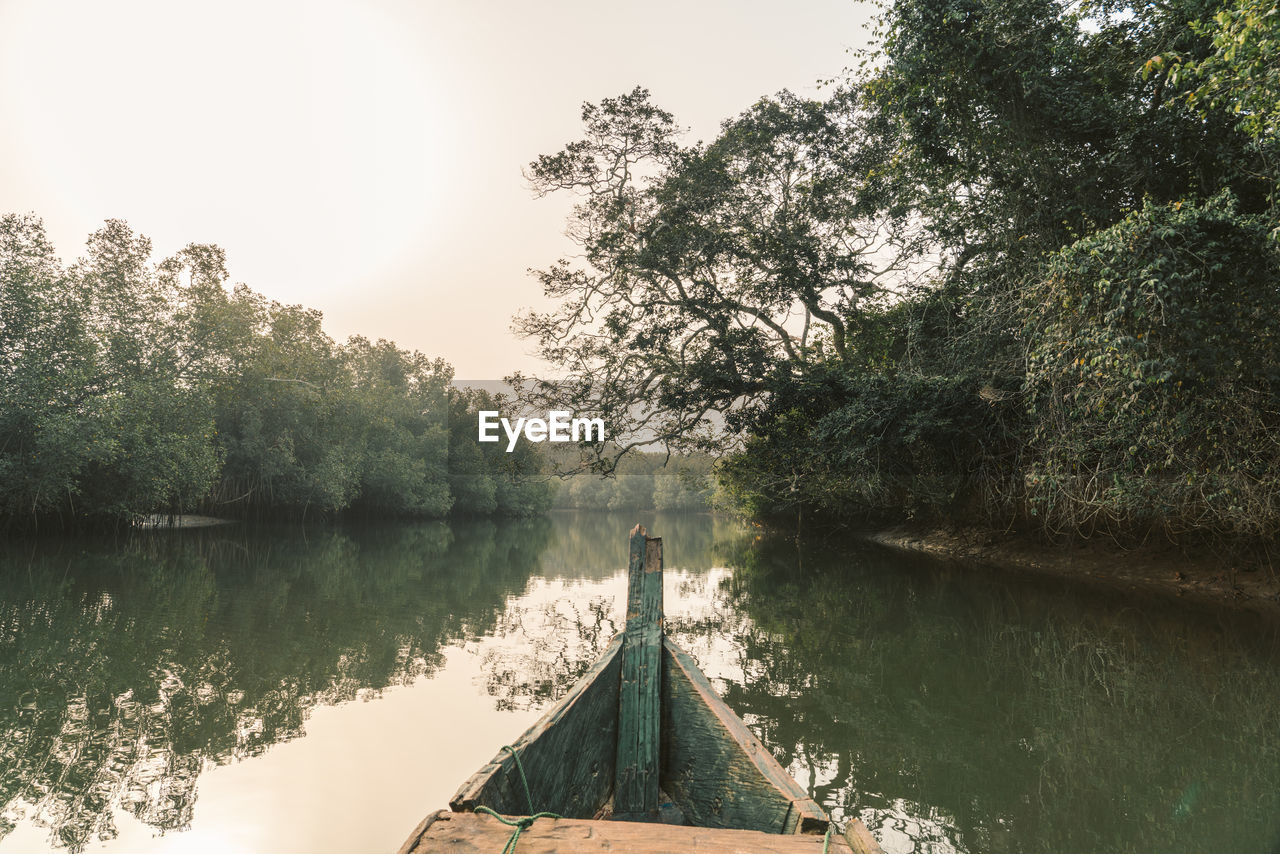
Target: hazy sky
{"type": "Point", "coordinates": [364, 158]}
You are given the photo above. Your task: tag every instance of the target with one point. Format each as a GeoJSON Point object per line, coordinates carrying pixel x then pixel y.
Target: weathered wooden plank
{"type": "Point", "coordinates": [639, 696]}
{"type": "Point", "coordinates": [715, 769]}
{"type": "Point", "coordinates": [860, 839]}
{"type": "Point", "coordinates": [467, 833]}
{"type": "Point", "coordinates": [411, 844]}
{"type": "Point", "coordinates": [568, 754]}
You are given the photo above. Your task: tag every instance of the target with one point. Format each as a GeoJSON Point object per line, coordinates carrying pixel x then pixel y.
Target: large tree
{"type": "Point", "coordinates": [710, 272]}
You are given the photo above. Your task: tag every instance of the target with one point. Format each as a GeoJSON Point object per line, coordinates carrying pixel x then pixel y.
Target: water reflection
{"type": "Point", "coordinates": [953, 710]}
{"type": "Point", "coordinates": [125, 668]}
{"type": "Point", "coordinates": [553, 634]}
{"type": "Point", "coordinates": [551, 644]}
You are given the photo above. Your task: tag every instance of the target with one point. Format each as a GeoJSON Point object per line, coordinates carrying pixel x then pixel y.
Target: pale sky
{"type": "Point", "coordinates": [364, 158]}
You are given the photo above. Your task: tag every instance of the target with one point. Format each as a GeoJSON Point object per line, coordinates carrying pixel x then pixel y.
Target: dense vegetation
{"type": "Point", "coordinates": [1021, 268]}
{"type": "Point", "coordinates": [129, 388]}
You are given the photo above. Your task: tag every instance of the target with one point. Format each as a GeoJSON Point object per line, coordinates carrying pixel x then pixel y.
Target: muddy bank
{"type": "Point", "coordinates": [1162, 569]}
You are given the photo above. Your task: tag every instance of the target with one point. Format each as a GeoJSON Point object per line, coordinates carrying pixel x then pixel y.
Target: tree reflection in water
{"type": "Point", "coordinates": [955, 711]}
{"type": "Point", "coordinates": [552, 635]}
{"type": "Point", "coordinates": [126, 669]}
{"type": "Point", "coordinates": [951, 708]}
{"type": "Point", "coordinates": [546, 647]}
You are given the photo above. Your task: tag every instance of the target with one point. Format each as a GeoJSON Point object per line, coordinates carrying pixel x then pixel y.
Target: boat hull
{"type": "Point", "coordinates": [642, 739]}
{"type": "Point", "coordinates": [713, 768]}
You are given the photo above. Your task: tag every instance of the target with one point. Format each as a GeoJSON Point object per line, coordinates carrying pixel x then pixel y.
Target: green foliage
{"type": "Point", "coordinates": [402, 399]}
{"type": "Point", "coordinates": [979, 282]}
{"type": "Point", "coordinates": [709, 268]}
{"type": "Point", "coordinates": [285, 420]}
{"type": "Point", "coordinates": [686, 488]}
{"type": "Point", "coordinates": [1242, 73]}
{"type": "Point", "coordinates": [129, 388]}
{"type": "Point", "coordinates": [310, 424]}
{"type": "Point", "coordinates": [97, 416]}
{"type": "Point", "coordinates": [874, 445]}
{"type": "Point", "coordinates": [45, 366]}
{"type": "Point", "coordinates": [1154, 372]}
{"type": "Point", "coordinates": [1023, 126]}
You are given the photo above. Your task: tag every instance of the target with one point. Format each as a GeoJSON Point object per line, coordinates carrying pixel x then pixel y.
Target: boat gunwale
{"type": "Point", "coordinates": [468, 795]}
{"type": "Point", "coordinates": [804, 815]}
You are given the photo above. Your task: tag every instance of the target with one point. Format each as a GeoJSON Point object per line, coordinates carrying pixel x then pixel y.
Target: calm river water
{"type": "Point", "coordinates": [320, 690]}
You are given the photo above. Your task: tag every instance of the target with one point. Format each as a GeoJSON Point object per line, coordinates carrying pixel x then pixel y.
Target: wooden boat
{"type": "Point", "coordinates": [641, 756]}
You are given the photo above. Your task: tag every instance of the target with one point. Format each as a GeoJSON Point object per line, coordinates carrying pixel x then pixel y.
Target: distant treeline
{"type": "Point", "coordinates": [643, 481]}
{"type": "Point", "coordinates": [129, 387]}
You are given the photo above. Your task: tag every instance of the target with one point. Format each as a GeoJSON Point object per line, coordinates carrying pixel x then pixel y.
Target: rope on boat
{"type": "Point", "coordinates": [826, 840]}
{"type": "Point", "coordinates": [520, 824]}
{"type": "Point", "coordinates": [524, 781]}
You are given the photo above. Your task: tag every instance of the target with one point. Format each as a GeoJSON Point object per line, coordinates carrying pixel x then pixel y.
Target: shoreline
{"type": "Point", "coordinates": [1163, 570]}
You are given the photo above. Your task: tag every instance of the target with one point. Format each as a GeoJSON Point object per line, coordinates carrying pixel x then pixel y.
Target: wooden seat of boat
{"type": "Point", "coordinates": [475, 833]}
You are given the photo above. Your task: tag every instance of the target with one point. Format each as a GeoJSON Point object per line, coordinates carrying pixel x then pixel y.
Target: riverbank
{"type": "Point", "coordinates": [1160, 569]}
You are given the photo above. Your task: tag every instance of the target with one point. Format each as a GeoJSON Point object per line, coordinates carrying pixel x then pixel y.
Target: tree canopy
{"type": "Point", "coordinates": [129, 387]}
{"type": "Point", "coordinates": [711, 272]}
{"type": "Point", "coordinates": [965, 283]}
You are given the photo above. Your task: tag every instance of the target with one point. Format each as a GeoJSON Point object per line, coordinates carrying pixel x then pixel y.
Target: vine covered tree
{"type": "Point", "coordinates": [956, 288]}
